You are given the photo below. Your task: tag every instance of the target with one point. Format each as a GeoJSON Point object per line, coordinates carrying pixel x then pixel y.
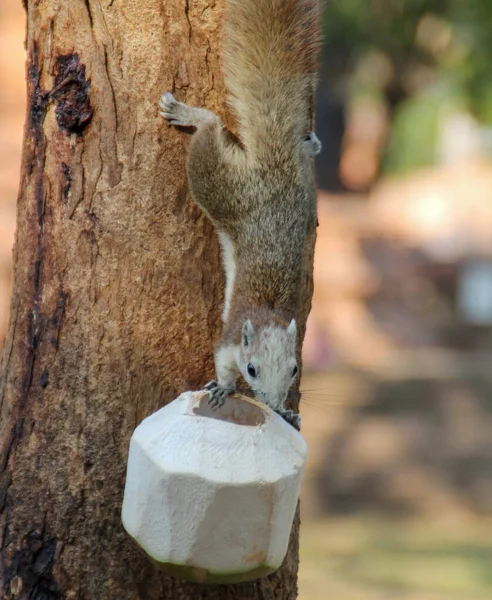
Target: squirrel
{"type": "Point", "coordinates": [258, 189]}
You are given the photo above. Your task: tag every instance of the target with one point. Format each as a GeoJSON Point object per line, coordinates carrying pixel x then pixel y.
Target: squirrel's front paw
{"type": "Point", "coordinates": [291, 418]}
{"type": "Point", "coordinates": [218, 394]}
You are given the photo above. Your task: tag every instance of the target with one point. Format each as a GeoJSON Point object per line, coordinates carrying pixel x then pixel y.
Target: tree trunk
{"type": "Point", "coordinates": [117, 292]}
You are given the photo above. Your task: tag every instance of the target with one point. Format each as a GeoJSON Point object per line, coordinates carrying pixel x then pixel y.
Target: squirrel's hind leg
{"type": "Point", "coordinates": [179, 113]}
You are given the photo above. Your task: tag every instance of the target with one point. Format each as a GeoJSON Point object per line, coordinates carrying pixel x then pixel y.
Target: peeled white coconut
{"type": "Point", "coordinates": [211, 494]}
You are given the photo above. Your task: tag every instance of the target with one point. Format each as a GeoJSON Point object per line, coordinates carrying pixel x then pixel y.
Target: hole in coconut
{"type": "Point", "coordinates": [235, 410]}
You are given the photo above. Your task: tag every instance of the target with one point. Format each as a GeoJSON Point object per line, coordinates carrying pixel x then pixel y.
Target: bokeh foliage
{"type": "Point", "coordinates": [419, 56]}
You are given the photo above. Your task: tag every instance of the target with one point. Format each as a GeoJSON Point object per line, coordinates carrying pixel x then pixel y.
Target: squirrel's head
{"type": "Point", "coordinates": [268, 361]}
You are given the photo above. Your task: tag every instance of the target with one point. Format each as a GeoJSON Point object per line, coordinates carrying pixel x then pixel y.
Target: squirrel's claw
{"type": "Point", "coordinates": [218, 394]}
{"type": "Point", "coordinates": [291, 418]}
{"type": "Point", "coordinates": [167, 102]}
{"type": "Point", "coordinates": [172, 110]}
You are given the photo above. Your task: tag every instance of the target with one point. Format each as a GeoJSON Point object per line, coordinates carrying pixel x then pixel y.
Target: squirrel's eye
{"type": "Point", "coordinates": [294, 371]}
{"type": "Point", "coordinates": [251, 370]}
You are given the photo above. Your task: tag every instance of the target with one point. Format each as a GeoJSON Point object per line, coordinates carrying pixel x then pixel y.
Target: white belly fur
{"type": "Point", "coordinates": [229, 263]}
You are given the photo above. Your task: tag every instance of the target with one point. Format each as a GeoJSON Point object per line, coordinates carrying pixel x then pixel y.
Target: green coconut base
{"type": "Point", "coordinates": [197, 575]}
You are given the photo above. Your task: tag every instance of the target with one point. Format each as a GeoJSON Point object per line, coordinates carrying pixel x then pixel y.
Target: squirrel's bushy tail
{"type": "Point", "coordinates": [270, 60]}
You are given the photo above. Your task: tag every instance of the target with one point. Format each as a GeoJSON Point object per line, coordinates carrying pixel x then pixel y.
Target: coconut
{"type": "Point", "coordinates": [210, 494]}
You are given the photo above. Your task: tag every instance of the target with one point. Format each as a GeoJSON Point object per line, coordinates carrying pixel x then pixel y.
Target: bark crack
{"type": "Point", "coordinates": [89, 12]}
{"type": "Point", "coordinates": [187, 14]}
{"type": "Point", "coordinates": [37, 116]}
{"type": "Point", "coordinates": [113, 96]}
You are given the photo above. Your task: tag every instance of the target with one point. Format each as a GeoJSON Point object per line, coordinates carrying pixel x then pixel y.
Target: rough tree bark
{"type": "Point", "coordinates": [117, 294]}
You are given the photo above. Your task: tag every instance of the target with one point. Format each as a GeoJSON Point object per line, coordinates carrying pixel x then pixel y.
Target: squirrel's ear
{"type": "Point", "coordinates": [248, 333]}
{"type": "Point", "coordinates": [292, 329]}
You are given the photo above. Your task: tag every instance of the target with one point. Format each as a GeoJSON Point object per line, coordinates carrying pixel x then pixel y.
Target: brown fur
{"type": "Point", "coordinates": [259, 191]}
{"type": "Point", "coordinates": [262, 193]}
{"type": "Point", "coordinates": [270, 60]}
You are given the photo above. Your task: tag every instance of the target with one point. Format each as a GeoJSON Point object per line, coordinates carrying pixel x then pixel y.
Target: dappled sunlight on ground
{"type": "Point", "coordinates": [397, 494]}
{"type": "Point", "coordinates": [399, 444]}
{"type": "Point", "coordinates": [370, 558]}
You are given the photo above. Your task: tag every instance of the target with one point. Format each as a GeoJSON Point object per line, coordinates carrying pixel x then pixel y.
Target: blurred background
{"type": "Point", "coordinates": [397, 385]}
